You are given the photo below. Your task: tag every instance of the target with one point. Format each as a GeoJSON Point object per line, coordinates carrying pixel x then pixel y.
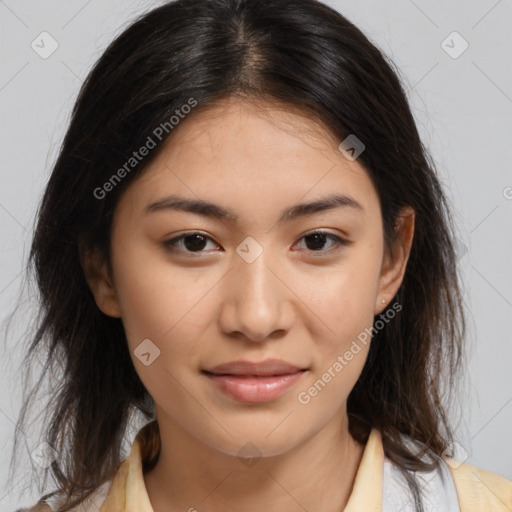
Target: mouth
{"type": "Point", "coordinates": [256, 385]}
{"type": "Point", "coordinates": [267, 368]}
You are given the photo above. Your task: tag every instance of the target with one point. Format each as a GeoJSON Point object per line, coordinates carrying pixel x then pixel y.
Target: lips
{"type": "Point", "coordinates": [249, 382]}
{"type": "Point", "coordinates": [248, 368]}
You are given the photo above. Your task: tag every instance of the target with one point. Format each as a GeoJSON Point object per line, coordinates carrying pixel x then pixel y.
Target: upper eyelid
{"type": "Point", "coordinates": [312, 232]}
{"type": "Point", "coordinates": [340, 239]}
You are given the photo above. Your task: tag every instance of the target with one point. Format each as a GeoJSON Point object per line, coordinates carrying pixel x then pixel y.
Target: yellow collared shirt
{"type": "Point", "coordinates": [378, 487]}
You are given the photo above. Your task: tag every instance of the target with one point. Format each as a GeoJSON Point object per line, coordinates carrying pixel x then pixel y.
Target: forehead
{"type": "Point", "coordinates": [252, 130]}
{"type": "Point", "coordinates": [251, 156]}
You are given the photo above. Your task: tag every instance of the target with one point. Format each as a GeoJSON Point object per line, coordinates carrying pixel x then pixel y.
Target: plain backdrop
{"type": "Point", "coordinates": [454, 58]}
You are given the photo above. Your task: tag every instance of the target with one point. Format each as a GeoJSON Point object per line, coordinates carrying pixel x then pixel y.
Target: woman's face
{"type": "Point", "coordinates": [253, 286]}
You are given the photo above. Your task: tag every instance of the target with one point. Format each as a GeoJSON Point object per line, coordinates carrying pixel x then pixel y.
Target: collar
{"type": "Point", "coordinates": [128, 492]}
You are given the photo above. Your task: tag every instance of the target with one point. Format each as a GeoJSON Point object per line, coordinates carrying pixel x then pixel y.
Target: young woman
{"type": "Point", "coordinates": [244, 240]}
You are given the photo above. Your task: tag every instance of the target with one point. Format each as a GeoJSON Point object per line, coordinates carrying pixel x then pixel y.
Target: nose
{"type": "Point", "coordinates": [257, 303]}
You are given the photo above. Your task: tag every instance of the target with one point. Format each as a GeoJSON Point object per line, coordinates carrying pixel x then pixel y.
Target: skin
{"type": "Point", "coordinates": [290, 303]}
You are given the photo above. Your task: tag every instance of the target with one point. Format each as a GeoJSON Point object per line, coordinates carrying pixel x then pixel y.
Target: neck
{"type": "Point", "coordinates": [317, 474]}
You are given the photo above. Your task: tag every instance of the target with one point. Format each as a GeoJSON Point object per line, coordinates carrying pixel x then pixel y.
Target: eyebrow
{"type": "Point", "coordinates": [211, 210]}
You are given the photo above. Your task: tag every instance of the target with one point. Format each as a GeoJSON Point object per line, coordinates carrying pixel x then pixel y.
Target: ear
{"type": "Point", "coordinates": [395, 259]}
{"type": "Point", "coordinates": [100, 282]}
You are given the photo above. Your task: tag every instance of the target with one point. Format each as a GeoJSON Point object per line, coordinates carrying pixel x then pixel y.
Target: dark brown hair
{"type": "Point", "coordinates": [299, 53]}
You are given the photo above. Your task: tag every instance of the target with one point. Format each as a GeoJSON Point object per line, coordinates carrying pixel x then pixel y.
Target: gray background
{"type": "Point", "coordinates": [463, 108]}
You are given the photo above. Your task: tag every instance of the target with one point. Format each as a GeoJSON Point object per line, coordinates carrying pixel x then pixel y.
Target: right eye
{"type": "Point", "coordinates": [193, 242]}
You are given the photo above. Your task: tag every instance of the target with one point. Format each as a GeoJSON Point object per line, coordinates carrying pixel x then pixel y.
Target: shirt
{"type": "Point", "coordinates": [379, 486]}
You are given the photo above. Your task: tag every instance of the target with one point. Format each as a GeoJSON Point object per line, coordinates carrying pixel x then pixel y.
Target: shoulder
{"type": "Point", "coordinates": [480, 490]}
{"type": "Point", "coordinates": [437, 489]}
{"type": "Point", "coordinates": [453, 485]}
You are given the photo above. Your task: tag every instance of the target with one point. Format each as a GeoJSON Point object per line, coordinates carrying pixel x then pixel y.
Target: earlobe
{"type": "Point", "coordinates": [100, 283]}
{"type": "Point", "coordinates": [395, 260]}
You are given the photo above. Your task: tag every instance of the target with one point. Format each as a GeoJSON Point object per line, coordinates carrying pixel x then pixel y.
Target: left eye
{"type": "Point", "coordinates": [318, 240]}
{"type": "Point", "coordinates": [195, 242]}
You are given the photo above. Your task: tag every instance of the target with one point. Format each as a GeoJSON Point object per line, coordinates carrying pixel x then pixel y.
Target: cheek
{"type": "Point", "coordinates": [158, 306]}
{"type": "Point", "coordinates": [341, 299]}
{"type": "Point", "coordinates": [155, 296]}
{"type": "Point", "coordinates": [343, 313]}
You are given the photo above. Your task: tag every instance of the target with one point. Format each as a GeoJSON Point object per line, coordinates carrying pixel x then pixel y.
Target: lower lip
{"type": "Point", "coordinates": [255, 389]}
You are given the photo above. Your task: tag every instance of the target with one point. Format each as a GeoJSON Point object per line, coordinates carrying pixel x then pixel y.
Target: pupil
{"type": "Point", "coordinates": [319, 238]}
{"type": "Point", "coordinates": [197, 244]}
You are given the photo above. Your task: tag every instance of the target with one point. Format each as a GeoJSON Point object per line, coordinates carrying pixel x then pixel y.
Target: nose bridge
{"type": "Point", "coordinates": [255, 298]}
{"type": "Point", "coordinates": [258, 281]}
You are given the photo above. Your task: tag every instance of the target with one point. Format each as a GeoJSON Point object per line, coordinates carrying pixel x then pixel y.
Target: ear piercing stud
{"type": "Point", "coordinates": [383, 301]}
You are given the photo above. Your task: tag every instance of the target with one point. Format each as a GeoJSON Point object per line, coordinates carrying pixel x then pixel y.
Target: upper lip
{"type": "Point", "coordinates": [267, 367]}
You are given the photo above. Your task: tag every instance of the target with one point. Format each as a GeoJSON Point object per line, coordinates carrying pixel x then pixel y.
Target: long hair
{"type": "Point", "coordinates": [299, 53]}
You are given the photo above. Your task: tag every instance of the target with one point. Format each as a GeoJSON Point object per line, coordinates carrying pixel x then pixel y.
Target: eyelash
{"type": "Point", "coordinates": [339, 242]}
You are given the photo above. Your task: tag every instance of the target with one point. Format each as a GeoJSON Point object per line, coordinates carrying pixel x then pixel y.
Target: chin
{"type": "Point", "coordinates": [254, 441]}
